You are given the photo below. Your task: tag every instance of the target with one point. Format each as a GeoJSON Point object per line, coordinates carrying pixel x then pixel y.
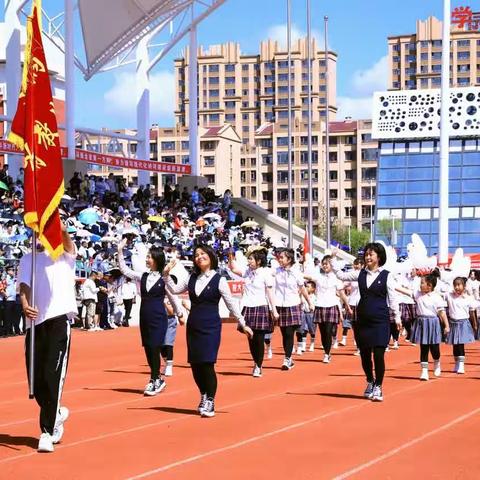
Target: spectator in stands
{"type": "Point", "coordinates": [90, 298]}
{"type": "Point", "coordinates": [129, 294]}
{"type": "Point", "coordinates": [239, 218]}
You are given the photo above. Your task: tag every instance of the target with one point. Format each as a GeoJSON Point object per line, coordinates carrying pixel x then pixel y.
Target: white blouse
{"type": "Point", "coordinates": [460, 306]}
{"type": "Point", "coordinates": [202, 281]}
{"type": "Point", "coordinates": [354, 296]}
{"type": "Point", "coordinates": [152, 279]}
{"type": "Point", "coordinates": [255, 287]}
{"type": "Point", "coordinates": [287, 283]}
{"type": "Point", "coordinates": [327, 286]}
{"type": "Point", "coordinates": [429, 304]}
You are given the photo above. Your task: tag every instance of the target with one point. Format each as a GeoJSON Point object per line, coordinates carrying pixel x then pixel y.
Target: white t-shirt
{"type": "Point", "coordinates": [354, 296]}
{"type": "Point", "coordinates": [327, 286]}
{"type": "Point", "coordinates": [128, 290]}
{"type": "Point", "coordinates": [287, 283]}
{"type": "Point", "coordinates": [90, 290]}
{"type": "Point", "coordinates": [254, 290]}
{"type": "Point", "coordinates": [429, 304]}
{"type": "Point", "coordinates": [460, 306]}
{"type": "Point", "coordinates": [54, 285]}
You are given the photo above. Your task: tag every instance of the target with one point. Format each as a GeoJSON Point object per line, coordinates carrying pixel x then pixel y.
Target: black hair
{"type": "Point", "coordinates": [327, 258]}
{"type": "Point", "coordinates": [359, 261]}
{"type": "Point", "coordinates": [431, 278]}
{"type": "Point", "coordinates": [158, 257]}
{"type": "Point", "coordinates": [311, 282]}
{"type": "Point", "coordinates": [211, 255]}
{"type": "Point", "coordinates": [460, 279]}
{"type": "Point", "coordinates": [259, 257]}
{"type": "Point", "coordinates": [288, 252]}
{"type": "Point", "coordinates": [379, 249]}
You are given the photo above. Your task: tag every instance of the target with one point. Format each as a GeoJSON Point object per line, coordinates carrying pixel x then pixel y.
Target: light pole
{"type": "Point", "coordinates": [327, 143]}
{"type": "Point", "coordinates": [290, 167]}
{"type": "Point", "coordinates": [309, 134]}
{"type": "Point", "coordinates": [371, 209]}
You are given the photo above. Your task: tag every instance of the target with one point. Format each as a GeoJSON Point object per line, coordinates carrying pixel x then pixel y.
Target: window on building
{"type": "Point", "coordinates": [269, 90]}
{"type": "Point", "coordinates": [267, 177]}
{"type": "Point", "coordinates": [424, 82]}
{"type": "Point", "coordinates": [214, 105]}
{"type": "Point", "coordinates": [304, 140]}
{"type": "Point", "coordinates": [350, 174]}
{"type": "Point", "coordinates": [230, 92]}
{"type": "Point", "coordinates": [282, 194]}
{"type": "Point", "coordinates": [253, 176]}
{"type": "Point", "coordinates": [168, 146]}
{"type": "Point", "coordinates": [266, 159]}
{"type": "Point", "coordinates": [366, 137]}
{"type": "Point", "coordinates": [229, 80]}
{"type": "Point", "coordinates": [333, 157]}
{"type": "Point", "coordinates": [424, 43]}
{"type": "Point", "coordinates": [463, 43]}
{"type": "Point", "coordinates": [243, 176]}
{"type": "Point", "coordinates": [333, 175]}
{"type": "Point", "coordinates": [436, 55]}
{"type": "Point", "coordinates": [436, 43]}
{"type": "Point", "coordinates": [243, 162]}
{"type": "Point", "coordinates": [214, 118]}
{"type": "Point", "coordinates": [230, 117]}
{"type": "Point", "coordinates": [230, 67]}
{"type": "Point", "coordinates": [463, 68]}
{"type": "Point", "coordinates": [463, 81]}
{"type": "Point", "coordinates": [282, 176]}
{"type": "Point", "coordinates": [369, 154]}
{"type": "Point", "coordinates": [213, 93]}
{"type": "Point", "coordinates": [266, 142]}
{"type": "Point", "coordinates": [214, 80]}
{"type": "Point", "coordinates": [253, 192]}
{"type": "Point", "coordinates": [350, 193]}
{"type": "Point", "coordinates": [245, 67]}
{"type": "Point", "coordinates": [185, 144]}
{"type": "Point", "coordinates": [267, 196]}
{"type": "Point", "coordinates": [282, 141]}
{"type": "Point", "coordinates": [243, 192]}
{"type": "Point", "coordinates": [349, 156]}
{"type": "Point", "coordinates": [185, 159]}
{"type": "Point", "coordinates": [333, 194]}
{"type": "Point", "coordinates": [213, 68]}
{"type": "Point", "coordinates": [168, 159]}
{"type": "Point", "coordinates": [209, 161]}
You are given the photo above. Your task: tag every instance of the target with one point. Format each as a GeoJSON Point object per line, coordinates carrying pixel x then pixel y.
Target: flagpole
{"type": "Point", "coordinates": [31, 366]}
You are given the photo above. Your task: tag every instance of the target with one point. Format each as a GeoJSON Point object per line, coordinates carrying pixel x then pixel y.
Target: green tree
{"type": "Point", "coordinates": [383, 228]}
{"type": "Point", "coordinates": [358, 238]}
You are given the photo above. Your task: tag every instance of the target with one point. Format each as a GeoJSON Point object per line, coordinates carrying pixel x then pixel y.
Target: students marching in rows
{"type": "Point", "coordinates": [327, 310]}
{"type": "Point", "coordinates": [289, 287]}
{"type": "Point", "coordinates": [205, 288]}
{"type": "Point", "coordinates": [257, 300]}
{"type": "Point", "coordinates": [463, 321]}
{"type": "Point", "coordinates": [377, 294]}
{"type": "Point", "coordinates": [426, 330]}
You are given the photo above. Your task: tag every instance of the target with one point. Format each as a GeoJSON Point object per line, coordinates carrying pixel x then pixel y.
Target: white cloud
{"type": "Point", "coordinates": [363, 84]}
{"type": "Point", "coordinates": [356, 108]}
{"type": "Point", "coordinates": [279, 33]}
{"type": "Point", "coordinates": [120, 100]}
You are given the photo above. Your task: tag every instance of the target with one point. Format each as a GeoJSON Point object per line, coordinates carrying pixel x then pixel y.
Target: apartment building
{"type": "Point", "coordinates": [415, 59]}
{"type": "Point", "coordinates": [352, 182]}
{"type": "Point", "coordinates": [219, 155]}
{"type": "Point", "coordinates": [247, 91]}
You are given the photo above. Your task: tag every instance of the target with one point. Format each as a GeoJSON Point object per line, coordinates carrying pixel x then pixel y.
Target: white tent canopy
{"type": "Point", "coordinates": [112, 27]}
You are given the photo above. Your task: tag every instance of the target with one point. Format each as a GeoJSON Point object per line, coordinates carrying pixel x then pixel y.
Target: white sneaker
{"type": "Point", "coordinates": [368, 393]}
{"type": "Point", "coordinates": [424, 374]}
{"type": "Point", "coordinates": [304, 345]}
{"type": "Point", "coordinates": [62, 416]}
{"type": "Point", "coordinates": [455, 368]}
{"type": "Point", "coordinates": [437, 370]}
{"type": "Point", "coordinates": [335, 345]}
{"type": "Point", "coordinates": [45, 443]}
{"type": "Point", "coordinates": [326, 358]}
{"type": "Point", "coordinates": [269, 352]}
{"type": "Point", "coordinates": [343, 341]}
{"type": "Point", "coordinates": [357, 352]}
{"type": "Point", "coordinates": [287, 364]}
{"type": "Point", "coordinates": [257, 371]}
{"type": "Point", "coordinates": [377, 394]}
{"type": "Point", "coordinates": [312, 347]}
{"type": "Point", "coordinates": [169, 369]}
{"type": "Point", "coordinates": [395, 345]}
{"type": "Point", "coordinates": [299, 350]}
{"type": "Point", "coordinates": [387, 349]}
{"type": "Point", "coordinates": [208, 408]}
{"type": "Point", "coordinates": [461, 367]}
{"type": "Point", "coordinates": [201, 405]}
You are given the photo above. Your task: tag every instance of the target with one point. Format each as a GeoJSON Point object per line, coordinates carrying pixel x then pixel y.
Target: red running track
{"type": "Point", "coordinates": [308, 423]}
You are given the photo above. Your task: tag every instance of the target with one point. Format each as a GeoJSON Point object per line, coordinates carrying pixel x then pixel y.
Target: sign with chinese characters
{"type": "Point", "coordinates": [111, 160]}
{"type": "Point", "coordinates": [463, 17]}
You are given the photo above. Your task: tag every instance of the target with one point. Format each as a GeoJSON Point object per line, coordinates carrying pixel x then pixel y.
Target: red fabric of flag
{"type": "Point", "coordinates": [306, 244]}
{"type": "Point", "coordinates": [34, 130]}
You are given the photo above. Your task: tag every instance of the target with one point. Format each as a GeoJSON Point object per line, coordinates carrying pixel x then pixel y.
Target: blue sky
{"type": "Point", "coordinates": [358, 31]}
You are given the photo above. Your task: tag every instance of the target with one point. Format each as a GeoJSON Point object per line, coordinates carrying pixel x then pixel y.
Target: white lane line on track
{"type": "Point", "coordinates": [263, 436]}
{"type": "Point", "coordinates": [406, 445]}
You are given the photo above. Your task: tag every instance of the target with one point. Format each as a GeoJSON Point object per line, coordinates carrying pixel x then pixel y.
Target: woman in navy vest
{"type": "Point", "coordinates": [204, 325]}
{"type": "Point", "coordinates": [153, 316]}
{"type": "Point", "coordinates": [377, 294]}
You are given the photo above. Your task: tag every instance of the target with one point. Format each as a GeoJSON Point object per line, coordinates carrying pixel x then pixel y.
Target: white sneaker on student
{"type": "Point", "coordinates": [357, 352]}
{"type": "Point", "coordinates": [377, 394]}
{"type": "Point", "coordinates": [257, 371]}
{"type": "Point", "coordinates": [437, 370]}
{"type": "Point", "coordinates": [335, 345]}
{"type": "Point", "coordinates": [299, 350]}
{"type": "Point", "coordinates": [395, 345]}
{"type": "Point", "coordinates": [269, 352]}
{"type": "Point", "coordinates": [169, 368]}
{"type": "Point", "coordinates": [150, 389]}
{"type": "Point", "coordinates": [201, 405]}
{"type": "Point", "coordinates": [208, 409]}
{"type": "Point", "coordinates": [326, 358]}
{"type": "Point", "coordinates": [287, 364]}
{"type": "Point", "coordinates": [45, 443]}
{"type": "Point", "coordinates": [455, 368]}
{"type": "Point", "coordinates": [62, 416]}
{"type": "Point", "coordinates": [424, 374]}
{"type": "Point", "coordinates": [461, 365]}
{"type": "Point", "coordinates": [304, 345]}
{"type": "Point", "coordinates": [312, 347]}
{"type": "Point", "coordinates": [343, 341]}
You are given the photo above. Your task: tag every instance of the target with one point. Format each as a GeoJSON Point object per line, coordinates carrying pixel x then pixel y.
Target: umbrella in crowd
{"type": "Point", "coordinates": [212, 216]}
{"type": "Point", "coordinates": [89, 216]}
{"type": "Point", "coordinates": [156, 218]}
{"type": "Point", "coordinates": [83, 233]}
{"type": "Point", "coordinates": [3, 186]}
{"type": "Point", "coordinates": [249, 224]}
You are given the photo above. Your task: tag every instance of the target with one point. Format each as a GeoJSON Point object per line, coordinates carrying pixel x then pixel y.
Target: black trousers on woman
{"type": "Point", "coordinates": [153, 359]}
{"type": "Point", "coordinates": [205, 378]}
{"type": "Point", "coordinates": [257, 346]}
{"type": "Point", "coordinates": [378, 354]}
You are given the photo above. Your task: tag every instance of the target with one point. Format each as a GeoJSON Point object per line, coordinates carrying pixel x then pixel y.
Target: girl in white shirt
{"type": "Point", "coordinates": [353, 299]}
{"type": "Point", "coordinates": [289, 287]}
{"type": "Point", "coordinates": [327, 311]}
{"type": "Point", "coordinates": [426, 330]}
{"type": "Point", "coordinates": [257, 296]}
{"type": "Point", "coordinates": [463, 321]}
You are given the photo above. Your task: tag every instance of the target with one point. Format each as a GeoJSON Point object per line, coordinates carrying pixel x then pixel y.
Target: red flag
{"type": "Point", "coordinates": [306, 244]}
{"type": "Point", "coordinates": [34, 130]}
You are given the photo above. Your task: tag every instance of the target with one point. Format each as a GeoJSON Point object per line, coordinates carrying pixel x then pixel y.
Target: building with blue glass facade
{"type": "Point", "coordinates": [408, 186]}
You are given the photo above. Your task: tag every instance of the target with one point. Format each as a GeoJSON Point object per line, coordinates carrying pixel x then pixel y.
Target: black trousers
{"type": "Point", "coordinates": [327, 330]}
{"type": "Point", "coordinates": [128, 310]}
{"type": "Point", "coordinates": [288, 334]}
{"type": "Point", "coordinates": [205, 378]}
{"type": "Point", "coordinates": [153, 359]}
{"type": "Point", "coordinates": [378, 360]}
{"type": "Point", "coordinates": [52, 347]}
{"type": "Point", "coordinates": [257, 346]}
{"type": "Point", "coordinates": [434, 349]}
{"type": "Point", "coordinates": [459, 350]}
{"type": "Point", "coordinates": [12, 315]}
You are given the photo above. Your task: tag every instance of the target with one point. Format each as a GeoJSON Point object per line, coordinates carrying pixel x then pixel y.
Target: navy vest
{"type": "Point", "coordinates": [373, 300]}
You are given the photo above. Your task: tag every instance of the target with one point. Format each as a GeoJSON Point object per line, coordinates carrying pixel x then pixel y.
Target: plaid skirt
{"type": "Point", "coordinates": [258, 318]}
{"type": "Point", "coordinates": [290, 316]}
{"type": "Point", "coordinates": [407, 312]}
{"type": "Point", "coordinates": [327, 314]}
{"type": "Point", "coordinates": [391, 315]}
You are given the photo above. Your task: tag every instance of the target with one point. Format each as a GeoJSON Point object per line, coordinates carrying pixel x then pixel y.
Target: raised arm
{"type": "Point", "coordinates": [177, 306]}
{"type": "Point", "coordinates": [175, 288]}
{"type": "Point", "coordinates": [232, 265]}
{"type": "Point", "coordinates": [128, 272]}
{"type": "Point", "coordinates": [233, 306]}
